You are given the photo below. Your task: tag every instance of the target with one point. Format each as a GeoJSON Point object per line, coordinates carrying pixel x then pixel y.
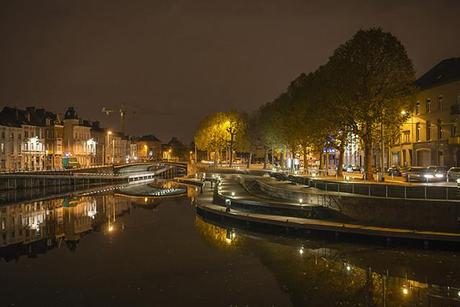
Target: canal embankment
{"type": "Point", "coordinates": [233, 201]}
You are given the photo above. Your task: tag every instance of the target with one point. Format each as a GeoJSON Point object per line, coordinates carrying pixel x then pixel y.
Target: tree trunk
{"type": "Point", "coordinates": [265, 157]}
{"type": "Point", "coordinates": [321, 159]}
{"type": "Point", "coordinates": [368, 173]}
{"type": "Point", "coordinates": [305, 164]}
{"type": "Point", "coordinates": [341, 157]}
{"type": "Point", "coordinates": [249, 159]}
{"type": "Point", "coordinates": [282, 159]}
{"type": "Point", "coordinates": [273, 151]}
{"type": "Point", "coordinates": [231, 149]}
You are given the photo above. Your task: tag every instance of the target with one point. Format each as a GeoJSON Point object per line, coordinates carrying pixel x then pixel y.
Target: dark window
{"type": "Point", "coordinates": [417, 132]}
{"type": "Point", "coordinates": [428, 105]}
{"type": "Point", "coordinates": [440, 130]}
{"type": "Point", "coordinates": [440, 103]}
{"type": "Point", "coordinates": [428, 130]}
{"type": "Point", "coordinates": [417, 108]}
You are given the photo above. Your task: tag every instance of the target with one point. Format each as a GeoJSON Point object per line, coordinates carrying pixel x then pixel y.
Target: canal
{"type": "Point", "coordinates": [146, 246]}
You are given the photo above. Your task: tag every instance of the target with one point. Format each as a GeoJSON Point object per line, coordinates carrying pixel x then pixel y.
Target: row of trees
{"type": "Point", "coordinates": [361, 90]}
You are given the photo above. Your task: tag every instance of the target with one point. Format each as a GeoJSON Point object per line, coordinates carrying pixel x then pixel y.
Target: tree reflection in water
{"type": "Point", "coordinates": [346, 275]}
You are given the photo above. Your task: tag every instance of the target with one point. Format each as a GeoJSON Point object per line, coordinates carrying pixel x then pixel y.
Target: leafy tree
{"type": "Point", "coordinates": [374, 78]}
{"type": "Point", "coordinates": [218, 130]}
{"type": "Point", "coordinates": [252, 138]}
{"type": "Point", "coordinates": [179, 150]}
{"type": "Point", "coordinates": [235, 126]}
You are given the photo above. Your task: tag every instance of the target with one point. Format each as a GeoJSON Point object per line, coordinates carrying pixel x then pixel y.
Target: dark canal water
{"type": "Point", "coordinates": [117, 249]}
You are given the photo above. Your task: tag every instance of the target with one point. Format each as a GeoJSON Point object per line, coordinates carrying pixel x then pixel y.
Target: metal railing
{"type": "Point", "coordinates": [382, 190]}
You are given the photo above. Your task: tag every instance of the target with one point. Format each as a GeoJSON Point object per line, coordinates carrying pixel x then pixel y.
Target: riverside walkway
{"type": "Point", "coordinates": [235, 203]}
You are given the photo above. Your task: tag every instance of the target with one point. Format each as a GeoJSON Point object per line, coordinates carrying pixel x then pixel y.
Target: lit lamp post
{"type": "Point", "coordinates": [401, 163]}
{"type": "Point", "coordinates": [109, 133]}
{"type": "Point", "coordinates": [381, 175]}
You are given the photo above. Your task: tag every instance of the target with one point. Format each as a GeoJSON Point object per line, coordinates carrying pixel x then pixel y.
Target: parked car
{"type": "Point", "coordinates": [453, 174]}
{"type": "Point", "coordinates": [439, 173]}
{"type": "Point", "coordinates": [425, 174]}
{"type": "Point", "coordinates": [351, 168]}
{"type": "Point", "coordinates": [414, 173]}
{"type": "Point", "coordinates": [394, 170]}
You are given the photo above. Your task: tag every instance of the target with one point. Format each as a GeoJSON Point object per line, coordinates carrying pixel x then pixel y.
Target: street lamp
{"type": "Point", "coordinates": [109, 133]}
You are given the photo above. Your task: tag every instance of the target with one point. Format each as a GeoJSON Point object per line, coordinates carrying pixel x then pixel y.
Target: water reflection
{"type": "Point", "coordinates": [328, 274]}
{"type": "Point", "coordinates": [312, 273]}
{"type": "Point", "coordinates": [42, 225]}
{"type": "Point", "coordinates": [158, 188]}
{"type": "Point", "coordinates": [36, 227]}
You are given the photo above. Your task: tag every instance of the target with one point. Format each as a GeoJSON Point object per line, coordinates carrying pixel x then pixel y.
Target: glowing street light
{"type": "Point", "coordinates": [405, 291]}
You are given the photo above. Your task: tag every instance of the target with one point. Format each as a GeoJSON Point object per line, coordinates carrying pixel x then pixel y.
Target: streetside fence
{"type": "Point", "coordinates": [378, 190]}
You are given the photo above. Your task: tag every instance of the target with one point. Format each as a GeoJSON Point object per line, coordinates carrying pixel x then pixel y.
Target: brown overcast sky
{"type": "Point", "coordinates": [172, 62]}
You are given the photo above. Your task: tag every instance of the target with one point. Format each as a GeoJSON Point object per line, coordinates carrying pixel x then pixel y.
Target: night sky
{"type": "Point", "coordinates": [172, 62]}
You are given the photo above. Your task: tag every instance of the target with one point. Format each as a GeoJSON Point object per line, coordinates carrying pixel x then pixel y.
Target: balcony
{"type": "Point", "coordinates": [455, 109]}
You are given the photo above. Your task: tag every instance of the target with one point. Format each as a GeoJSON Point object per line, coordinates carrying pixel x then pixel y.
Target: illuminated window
{"type": "Point", "coordinates": [428, 105]}
{"type": "Point", "coordinates": [406, 136]}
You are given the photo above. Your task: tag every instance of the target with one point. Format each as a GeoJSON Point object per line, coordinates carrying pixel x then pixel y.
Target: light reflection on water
{"type": "Point", "coordinates": [324, 273]}
{"type": "Point", "coordinates": [310, 272]}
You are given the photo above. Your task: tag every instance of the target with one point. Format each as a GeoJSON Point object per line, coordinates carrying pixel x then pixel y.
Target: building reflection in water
{"type": "Point", "coordinates": [35, 227]}
{"type": "Point", "coordinates": [42, 225]}
{"type": "Point", "coordinates": [347, 276]}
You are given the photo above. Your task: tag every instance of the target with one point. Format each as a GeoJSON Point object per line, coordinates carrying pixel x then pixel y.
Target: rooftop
{"type": "Point", "coordinates": [444, 72]}
{"type": "Point", "coordinates": [149, 137]}
{"type": "Point", "coordinates": [15, 117]}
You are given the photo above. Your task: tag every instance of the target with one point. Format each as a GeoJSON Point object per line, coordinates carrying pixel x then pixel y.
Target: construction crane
{"type": "Point", "coordinates": [121, 111]}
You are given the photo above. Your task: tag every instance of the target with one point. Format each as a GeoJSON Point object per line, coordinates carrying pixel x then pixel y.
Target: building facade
{"type": "Point", "coordinates": [54, 140]}
{"type": "Point", "coordinates": [22, 139]}
{"type": "Point", "coordinates": [77, 138]}
{"type": "Point", "coordinates": [431, 135]}
{"type": "Point", "coordinates": [148, 148]}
